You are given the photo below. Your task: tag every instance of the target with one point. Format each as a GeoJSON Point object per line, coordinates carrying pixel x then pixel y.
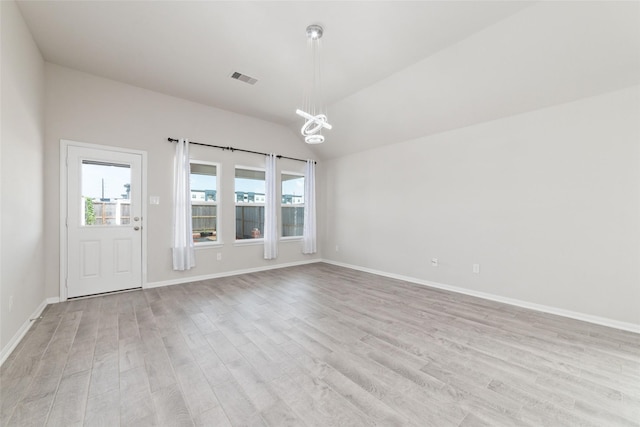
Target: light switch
{"type": "Point", "coordinates": [154, 200]}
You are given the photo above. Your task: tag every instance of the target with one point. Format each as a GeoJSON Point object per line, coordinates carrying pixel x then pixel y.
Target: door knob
{"type": "Point", "coordinates": [136, 228]}
{"type": "Point", "coordinates": [135, 218]}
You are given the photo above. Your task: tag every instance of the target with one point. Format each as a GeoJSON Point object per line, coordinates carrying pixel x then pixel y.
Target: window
{"type": "Point", "coordinates": [250, 197]}
{"type": "Point", "coordinates": [204, 202]}
{"type": "Point", "coordinates": [292, 204]}
{"type": "Point", "coordinates": [105, 193]}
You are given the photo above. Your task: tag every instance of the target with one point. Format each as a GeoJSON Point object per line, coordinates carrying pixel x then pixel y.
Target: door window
{"type": "Point", "coordinates": [106, 193]}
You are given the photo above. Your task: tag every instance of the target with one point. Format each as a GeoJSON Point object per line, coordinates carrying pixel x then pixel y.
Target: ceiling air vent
{"type": "Point", "coordinates": [243, 78]}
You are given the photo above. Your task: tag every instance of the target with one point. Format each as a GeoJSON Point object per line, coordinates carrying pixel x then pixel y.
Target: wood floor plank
{"type": "Point", "coordinates": [70, 401]}
{"type": "Point", "coordinates": [105, 374]}
{"type": "Point", "coordinates": [266, 345]}
{"type": "Point", "coordinates": [134, 383]}
{"type": "Point", "coordinates": [365, 402]}
{"type": "Point", "coordinates": [177, 349]}
{"type": "Point", "coordinates": [103, 410]}
{"type": "Point", "coordinates": [280, 415]}
{"type": "Point", "coordinates": [131, 353]}
{"type": "Point", "coordinates": [12, 392]}
{"type": "Point", "coordinates": [203, 323]}
{"type": "Point", "coordinates": [267, 369]}
{"type": "Point", "coordinates": [315, 345]}
{"type": "Point", "coordinates": [34, 406]}
{"type": "Point", "coordinates": [411, 399]}
{"type": "Point", "coordinates": [237, 406]}
{"type": "Point", "coordinates": [214, 370]}
{"type": "Point", "coordinates": [23, 361]}
{"type": "Point", "coordinates": [171, 408]}
{"type": "Point", "coordinates": [329, 403]}
{"type": "Point", "coordinates": [81, 355]}
{"type": "Point", "coordinates": [136, 403]}
{"type": "Point", "coordinates": [252, 384]}
{"type": "Point", "coordinates": [63, 337]}
{"type": "Point", "coordinates": [32, 410]}
{"type": "Point", "coordinates": [212, 417]}
{"type": "Point", "coordinates": [224, 349]}
{"type": "Point", "coordinates": [138, 412]}
{"type": "Point", "coordinates": [196, 390]}
{"type": "Point", "coordinates": [156, 360]}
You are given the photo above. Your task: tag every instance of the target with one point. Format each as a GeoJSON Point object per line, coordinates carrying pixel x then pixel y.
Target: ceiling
{"type": "Point", "coordinates": [391, 70]}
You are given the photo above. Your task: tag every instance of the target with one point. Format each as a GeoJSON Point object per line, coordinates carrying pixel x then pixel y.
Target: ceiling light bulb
{"type": "Point", "coordinates": [314, 139]}
{"type": "Point", "coordinates": [314, 32]}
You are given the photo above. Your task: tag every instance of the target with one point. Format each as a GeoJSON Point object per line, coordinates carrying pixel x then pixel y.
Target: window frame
{"type": "Point", "coordinates": [291, 205]}
{"type": "Point", "coordinates": [216, 203]}
{"type": "Point", "coordinates": [249, 241]}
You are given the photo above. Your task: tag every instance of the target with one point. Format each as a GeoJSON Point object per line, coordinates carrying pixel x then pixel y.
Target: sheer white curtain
{"type": "Point", "coordinates": [271, 210]}
{"type": "Point", "coordinates": [184, 256]}
{"type": "Point", "coordinates": [309, 230]}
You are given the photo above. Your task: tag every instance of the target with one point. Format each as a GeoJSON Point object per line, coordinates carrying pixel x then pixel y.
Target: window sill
{"type": "Point", "coordinates": [208, 245]}
{"type": "Point", "coordinates": [249, 242]}
{"type": "Point", "coordinates": [291, 239]}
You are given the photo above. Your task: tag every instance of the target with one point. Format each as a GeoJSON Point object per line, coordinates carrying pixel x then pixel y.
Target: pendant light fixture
{"type": "Point", "coordinates": [315, 118]}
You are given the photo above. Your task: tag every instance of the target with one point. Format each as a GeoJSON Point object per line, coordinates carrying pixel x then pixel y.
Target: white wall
{"type": "Point", "coordinates": [22, 235]}
{"type": "Point", "coordinates": [86, 108]}
{"type": "Point", "coordinates": [546, 202]}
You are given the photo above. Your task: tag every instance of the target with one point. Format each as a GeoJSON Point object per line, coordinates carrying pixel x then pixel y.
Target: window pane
{"type": "Point", "coordinates": [105, 193]}
{"type": "Point", "coordinates": [204, 196]}
{"type": "Point", "coordinates": [203, 183]}
{"type": "Point", "coordinates": [250, 186]}
{"type": "Point", "coordinates": [249, 222]}
{"type": "Point", "coordinates": [292, 220]}
{"type": "Point", "coordinates": [292, 199]}
{"type": "Point", "coordinates": [292, 189]}
{"type": "Point", "coordinates": [204, 220]}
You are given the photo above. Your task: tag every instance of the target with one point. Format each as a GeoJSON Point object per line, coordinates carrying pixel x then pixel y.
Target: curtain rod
{"type": "Point", "coordinates": [238, 149]}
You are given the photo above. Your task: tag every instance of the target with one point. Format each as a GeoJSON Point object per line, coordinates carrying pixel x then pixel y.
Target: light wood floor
{"type": "Point", "coordinates": [316, 345]}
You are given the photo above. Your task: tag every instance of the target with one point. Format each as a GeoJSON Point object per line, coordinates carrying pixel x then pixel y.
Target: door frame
{"type": "Point", "coordinates": [64, 145]}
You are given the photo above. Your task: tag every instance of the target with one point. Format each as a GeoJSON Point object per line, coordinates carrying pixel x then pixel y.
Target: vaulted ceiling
{"type": "Point", "coordinates": [391, 70]}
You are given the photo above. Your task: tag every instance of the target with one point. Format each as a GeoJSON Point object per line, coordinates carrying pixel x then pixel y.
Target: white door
{"type": "Point", "coordinates": [104, 221]}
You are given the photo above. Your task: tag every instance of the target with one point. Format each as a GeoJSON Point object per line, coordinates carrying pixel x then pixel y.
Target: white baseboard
{"type": "Point", "coordinates": [13, 343]}
{"type": "Point", "coordinates": [189, 279]}
{"type": "Point", "coordinates": [603, 321]}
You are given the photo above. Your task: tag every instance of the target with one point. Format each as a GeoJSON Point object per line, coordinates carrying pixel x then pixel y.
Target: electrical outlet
{"type": "Point", "coordinates": [476, 268]}
{"type": "Point", "coordinates": [219, 256]}
{"type": "Point", "coordinates": [434, 262]}
{"type": "Point", "coordinates": [10, 303]}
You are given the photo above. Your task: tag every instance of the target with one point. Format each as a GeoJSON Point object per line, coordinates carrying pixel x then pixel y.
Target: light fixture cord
{"type": "Point", "coordinates": [314, 106]}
